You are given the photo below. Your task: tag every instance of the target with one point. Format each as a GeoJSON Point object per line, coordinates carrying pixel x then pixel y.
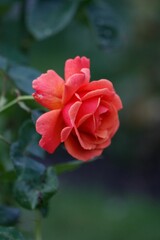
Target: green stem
{"type": "Point", "coordinates": [38, 227]}
{"type": "Point", "coordinates": [4, 79]}
{"type": "Point", "coordinates": [16, 100]}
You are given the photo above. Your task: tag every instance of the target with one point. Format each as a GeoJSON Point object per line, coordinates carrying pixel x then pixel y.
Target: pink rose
{"type": "Point", "coordinates": [83, 114]}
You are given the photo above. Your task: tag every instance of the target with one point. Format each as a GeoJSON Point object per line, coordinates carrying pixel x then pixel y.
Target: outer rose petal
{"type": "Point", "coordinates": [49, 88]}
{"type": "Point", "coordinates": [49, 125]}
{"type": "Point", "coordinates": [111, 118]}
{"type": "Point", "coordinates": [103, 86]}
{"type": "Point", "coordinates": [98, 88]}
{"type": "Point", "coordinates": [117, 102]}
{"type": "Point", "coordinates": [74, 149]}
{"type": "Point", "coordinates": [75, 65]}
{"type": "Point", "coordinates": [105, 144]}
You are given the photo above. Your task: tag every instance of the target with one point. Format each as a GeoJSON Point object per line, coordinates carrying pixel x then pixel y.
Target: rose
{"type": "Point", "coordinates": [83, 114]}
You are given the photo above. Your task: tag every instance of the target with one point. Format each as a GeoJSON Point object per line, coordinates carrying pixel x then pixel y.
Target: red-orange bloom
{"type": "Point", "coordinates": [83, 114]}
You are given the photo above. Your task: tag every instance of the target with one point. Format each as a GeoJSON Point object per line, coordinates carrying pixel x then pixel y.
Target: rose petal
{"type": "Point", "coordinates": [88, 108]}
{"type": "Point", "coordinates": [65, 133]}
{"type": "Point", "coordinates": [117, 102]}
{"type": "Point", "coordinates": [105, 144]}
{"type": "Point", "coordinates": [110, 122]}
{"type": "Point", "coordinates": [73, 84]}
{"type": "Point", "coordinates": [114, 128]}
{"type": "Point", "coordinates": [92, 141]}
{"type": "Point", "coordinates": [100, 84]}
{"type": "Point", "coordinates": [97, 93]}
{"type": "Point", "coordinates": [70, 112]}
{"type": "Point", "coordinates": [87, 124]}
{"type": "Point", "coordinates": [49, 125]}
{"type": "Point", "coordinates": [74, 148]}
{"type": "Point", "coordinates": [85, 142]}
{"type": "Point", "coordinates": [73, 66]}
{"type": "Point", "coordinates": [49, 88]}
{"type": "Point", "coordinates": [102, 134]}
{"type": "Point", "coordinates": [86, 72]}
{"type": "Point", "coordinates": [109, 117]}
{"type": "Point", "coordinates": [102, 87]}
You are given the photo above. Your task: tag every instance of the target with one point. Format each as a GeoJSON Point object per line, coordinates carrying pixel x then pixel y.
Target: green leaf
{"type": "Point", "coordinates": [25, 151]}
{"type": "Point", "coordinates": [10, 233]}
{"type": "Point", "coordinates": [34, 188]}
{"type": "Point", "coordinates": [67, 167]}
{"type": "Point", "coordinates": [7, 48]}
{"type": "Point", "coordinates": [8, 215]}
{"type": "Point", "coordinates": [35, 184]}
{"type": "Point", "coordinates": [22, 77]}
{"type": "Point", "coordinates": [45, 18]}
{"type": "Point", "coordinates": [105, 23]}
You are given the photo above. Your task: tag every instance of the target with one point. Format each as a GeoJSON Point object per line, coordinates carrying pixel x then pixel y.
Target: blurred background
{"type": "Point", "coordinates": [116, 197]}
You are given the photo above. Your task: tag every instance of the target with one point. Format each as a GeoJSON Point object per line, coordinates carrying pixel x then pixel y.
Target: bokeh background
{"type": "Point", "coordinates": [116, 197]}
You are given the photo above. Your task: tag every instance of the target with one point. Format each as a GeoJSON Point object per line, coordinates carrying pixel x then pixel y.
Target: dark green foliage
{"type": "Point", "coordinates": [25, 151]}
{"type": "Point", "coordinates": [35, 184]}
{"type": "Point", "coordinates": [22, 77]}
{"type": "Point", "coordinates": [8, 215]}
{"type": "Point", "coordinates": [45, 18]}
{"type": "Point", "coordinates": [105, 23]}
{"type": "Point", "coordinates": [10, 234]}
{"type": "Point", "coordinates": [3, 63]}
{"type": "Point", "coordinates": [6, 2]}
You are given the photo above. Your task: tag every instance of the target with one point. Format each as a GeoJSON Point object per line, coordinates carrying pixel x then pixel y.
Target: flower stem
{"type": "Point", "coordinates": [38, 226]}
{"type": "Point", "coordinates": [16, 100]}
